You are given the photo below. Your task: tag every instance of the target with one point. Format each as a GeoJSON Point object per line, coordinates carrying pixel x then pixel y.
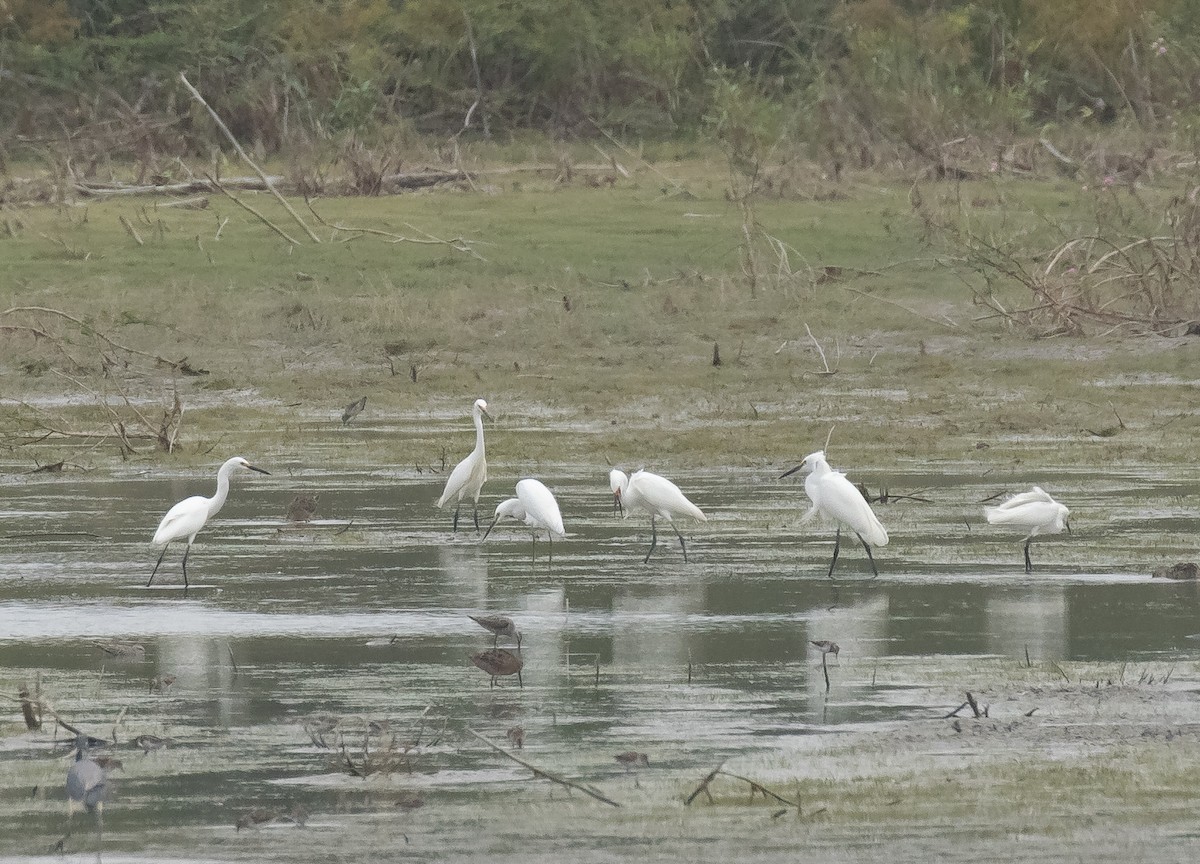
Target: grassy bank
{"type": "Point", "coordinates": [582, 306]}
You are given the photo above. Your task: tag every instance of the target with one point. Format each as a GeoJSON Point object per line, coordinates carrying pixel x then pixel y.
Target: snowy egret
{"type": "Point", "coordinates": [499, 661]}
{"type": "Point", "coordinates": [837, 499]}
{"type": "Point", "coordinates": [658, 497]}
{"type": "Point", "coordinates": [536, 507]}
{"type": "Point", "coordinates": [1033, 511]}
{"type": "Point", "coordinates": [187, 517]}
{"type": "Point", "coordinates": [469, 475]}
{"type": "Point", "coordinates": [86, 782]}
{"type": "Point", "coordinates": [499, 625]}
{"type": "Point", "coordinates": [353, 410]}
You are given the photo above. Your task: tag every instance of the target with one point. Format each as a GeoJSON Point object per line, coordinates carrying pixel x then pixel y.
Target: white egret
{"type": "Point", "coordinates": [658, 497]}
{"type": "Point", "coordinates": [187, 517]}
{"type": "Point", "coordinates": [536, 507]}
{"type": "Point", "coordinates": [1033, 511]}
{"type": "Point", "coordinates": [469, 475]}
{"type": "Point", "coordinates": [837, 499]}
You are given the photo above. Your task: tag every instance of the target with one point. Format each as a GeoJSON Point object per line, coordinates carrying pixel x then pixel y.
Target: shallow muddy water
{"type": "Point", "coordinates": [293, 639]}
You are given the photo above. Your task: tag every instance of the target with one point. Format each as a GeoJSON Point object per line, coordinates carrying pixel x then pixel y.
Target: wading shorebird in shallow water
{"type": "Point", "coordinates": [656, 496]}
{"type": "Point", "coordinates": [469, 475]}
{"type": "Point", "coordinates": [353, 410]}
{"type": "Point", "coordinates": [187, 517]}
{"type": "Point", "coordinates": [825, 647]}
{"type": "Point", "coordinates": [1033, 511]}
{"type": "Point", "coordinates": [536, 507]}
{"type": "Point", "coordinates": [87, 785]}
{"type": "Point", "coordinates": [497, 662]}
{"type": "Point", "coordinates": [499, 625]}
{"type": "Point", "coordinates": [837, 499]}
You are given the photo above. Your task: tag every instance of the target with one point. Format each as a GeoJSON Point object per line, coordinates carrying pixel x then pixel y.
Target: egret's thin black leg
{"type": "Point", "coordinates": [550, 544]}
{"type": "Point", "coordinates": [682, 545]}
{"type": "Point", "coordinates": [837, 547]}
{"type": "Point", "coordinates": [475, 513]}
{"type": "Point", "coordinates": [455, 529]}
{"type": "Point", "coordinates": [160, 559]}
{"type": "Point", "coordinates": [653, 540]}
{"type": "Point", "coordinates": [1028, 563]}
{"type": "Point", "coordinates": [870, 557]}
{"type": "Point", "coordinates": [186, 552]}
{"type": "Point", "coordinates": [533, 550]}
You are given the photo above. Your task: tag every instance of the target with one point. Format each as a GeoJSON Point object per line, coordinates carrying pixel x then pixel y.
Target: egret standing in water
{"type": "Point", "coordinates": [469, 475]}
{"type": "Point", "coordinates": [658, 497]}
{"type": "Point", "coordinates": [837, 499]}
{"type": "Point", "coordinates": [1033, 511]}
{"type": "Point", "coordinates": [536, 507]}
{"type": "Point", "coordinates": [187, 517]}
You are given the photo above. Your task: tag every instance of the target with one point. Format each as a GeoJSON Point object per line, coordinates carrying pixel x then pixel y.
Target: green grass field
{"type": "Point", "coordinates": [596, 305]}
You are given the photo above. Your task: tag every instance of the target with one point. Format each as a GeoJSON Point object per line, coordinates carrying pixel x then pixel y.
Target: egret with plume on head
{"type": "Point", "coordinates": [837, 499]}
{"type": "Point", "coordinates": [1033, 511]}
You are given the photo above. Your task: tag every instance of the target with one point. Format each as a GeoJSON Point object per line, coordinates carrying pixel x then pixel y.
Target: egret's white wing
{"type": "Point", "coordinates": [1036, 494]}
{"type": "Point", "coordinates": [540, 506]}
{"type": "Point", "coordinates": [662, 497]}
{"type": "Point", "coordinates": [184, 519]}
{"type": "Point", "coordinates": [839, 499]}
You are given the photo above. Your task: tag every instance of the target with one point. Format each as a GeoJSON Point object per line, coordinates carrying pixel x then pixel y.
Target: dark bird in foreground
{"type": "Point", "coordinates": [500, 625]}
{"type": "Point", "coordinates": [497, 662]}
{"type": "Point", "coordinates": [86, 781]}
{"type": "Point", "coordinates": [353, 410]}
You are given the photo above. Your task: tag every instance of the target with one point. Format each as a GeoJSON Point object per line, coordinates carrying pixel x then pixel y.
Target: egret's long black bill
{"type": "Point", "coordinates": [489, 531]}
{"type": "Point", "coordinates": [792, 471]}
{"type": "Point", "coordinates": [259, 470]}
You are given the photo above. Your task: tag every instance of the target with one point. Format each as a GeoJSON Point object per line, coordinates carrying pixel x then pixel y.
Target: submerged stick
{"type": "Point", "coordinates": [539, 772]}
{"type": "Point", "coordinates": [703, 787]}
{"type": "Point", "coordinates": [755, 786]}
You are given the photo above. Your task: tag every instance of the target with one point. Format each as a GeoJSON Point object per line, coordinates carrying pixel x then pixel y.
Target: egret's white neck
{"type": "Point", "coordinates": [819, 467]}
{"type": "Point", "coordinates": [217, 501]}
{"type": "Point", "coordinates": [478, 430]}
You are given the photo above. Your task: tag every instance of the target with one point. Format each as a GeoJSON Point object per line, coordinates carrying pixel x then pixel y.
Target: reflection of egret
{"type": "Point", "coordinates": [499, 625]}
{"type": "Point", "coordinates": [658, 497]}
{"type": "Point", "coordinates": [536, 507]}
{"type": "Point", "coordinates": [1033, 511]}
{"type": "Point", "coordinates": [469, 475]}
{"type": "Point", "coordinates": [837, 499]}
{"type": "Point", "coordinates": [187, 517]}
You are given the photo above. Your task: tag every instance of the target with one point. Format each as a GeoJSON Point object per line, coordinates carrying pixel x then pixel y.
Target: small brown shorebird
{"type": "Point", "coordinates": [151, 742]}
{"type": "Point", "coordinates": [825, 647]}
{"type": "Point", "coordinates": [122, 650]}
{"type": "Point", "coordinates": [303, 507]}
{"type": "Point", "coordinates": [497, 662]}
{"type": "Point", "coordinates": [109, 763]}
{"type": "Point", "coordinates": [353, 410]}
{"type": "Point", "coordinates": [161, 685]}
{"type": "Point", "coordinates": [632, 759]}
{"type": "Point", "coordinates": [516, 736]}
{"type": "Point", "coordinates": [500, 625]}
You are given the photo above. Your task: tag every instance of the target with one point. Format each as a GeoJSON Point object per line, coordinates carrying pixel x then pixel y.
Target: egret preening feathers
{"type": "Point", "coordinates": [187, 517]}
{"type": "Point", "coordinates": [837, 499]}
{"type": "Point", "coordinates": [1033, 511]}
{"type": "Point", "coordinates": [470, 474]}
{"type": "Point", "coordinates": [658, 497]}
{"type": "Point", "coordinates": [536, 507]}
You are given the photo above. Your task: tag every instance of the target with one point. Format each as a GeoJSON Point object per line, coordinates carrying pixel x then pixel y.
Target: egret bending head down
{"type": "Point", "coordinates": [470, 474]}
{"type": "Point", "coordinates": [1033, 511]}
{"type": "Point", "coordinates": [536, 507]}
{"type": "Point", "coordinates": [837, 499]}
{"type": "Point", "coordinates": [187, 517]}
{"type": "Point", "coordinates": [658, 497]}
